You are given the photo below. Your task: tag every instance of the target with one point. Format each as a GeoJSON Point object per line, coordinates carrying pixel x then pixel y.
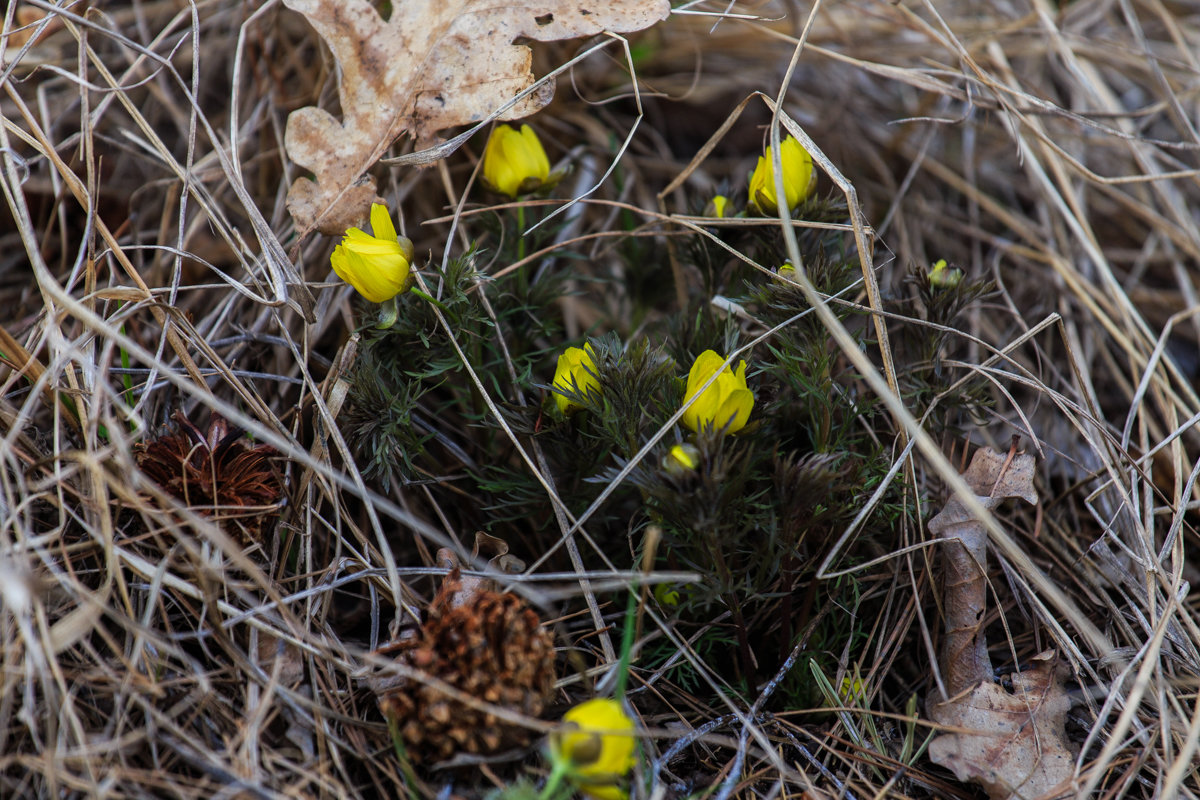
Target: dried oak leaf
{"type": "Point", "coordinates": [429, 67]}
{"type": "Point", "coordinates": [1013, 743]}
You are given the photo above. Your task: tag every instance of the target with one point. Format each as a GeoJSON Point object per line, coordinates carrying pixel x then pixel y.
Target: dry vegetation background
{"type": "Point", "coordinates": [151, 649]}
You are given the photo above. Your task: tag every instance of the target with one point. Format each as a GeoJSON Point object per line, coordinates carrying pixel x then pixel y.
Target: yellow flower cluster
{"type": "Point", "coordinates": [379, 266]}
{"type": "Point", "coordinates": [799, 179]}
{"type": "Point", "coordinates": [724, 405]}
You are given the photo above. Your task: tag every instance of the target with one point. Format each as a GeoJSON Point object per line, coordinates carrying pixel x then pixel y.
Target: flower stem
{"type": "Point", "coordinates": [522, 272]}
{"type": "Point", "coordinates": [520, 233]}
{"type": "Point", "coordinates": [557, 773]}
{"type": "Point", "coordinates": [626, 644]}
{"type": "Point", "coordinates": [406, 770]}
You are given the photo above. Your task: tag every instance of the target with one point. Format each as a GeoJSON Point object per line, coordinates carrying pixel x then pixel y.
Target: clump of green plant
{"type": "Point", "coordinates": [750, 466]}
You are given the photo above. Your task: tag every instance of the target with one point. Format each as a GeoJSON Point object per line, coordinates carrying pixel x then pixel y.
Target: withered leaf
{"type": "Point", "coordinates": [460, 590]}
{"type": "Point", "coordinates": [1014, 743]}
{"type": "Point", "coordinates": [431, 66]}
{"type": "Point", "coordinates": [993, 477]}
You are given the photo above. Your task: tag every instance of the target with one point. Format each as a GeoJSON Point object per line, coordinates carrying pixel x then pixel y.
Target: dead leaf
{"type": "Point", "coordinates": [429, 67]}
{"type": "Point", "coordinates": [993, 477]}
{"type": "Point", "coordinates": [1014, 744]}
{"type": "Point", "coordinates": [460, 590]}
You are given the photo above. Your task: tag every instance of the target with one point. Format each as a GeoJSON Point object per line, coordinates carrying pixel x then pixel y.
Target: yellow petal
{"type": "Point", "coordinates": [707, 363]}
{"type": "Point", "coordinates": [797, 171]}
{"type": "Point", "coordinates": [851, 689]}
{"type": "Point", "coordinates": [943, 276]}
{"type": "Point", "coordinates": [534, 159]}
{"type": "Point", "coordinates": [735, 410]}
{"type": "Point", "coordinates": [687, 456]}
{"type": "Point", "coordinates": [762, 197]}
{"type": "Point", "coordinates": [370, 246]}
{"type": "Point", "coordinates": [703, 409]}
{"type": "Point", "coordinates": [495, 166]}
{"type": "Point", "coordinates": [381, 223]}
{"type": "Point", "coordinates": [604, 792]}
{"type": "Point", "coordinates": [666, 595]}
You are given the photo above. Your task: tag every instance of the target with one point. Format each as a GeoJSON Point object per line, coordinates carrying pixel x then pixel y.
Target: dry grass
{"type": "Point", "coordinates": [146, 653]}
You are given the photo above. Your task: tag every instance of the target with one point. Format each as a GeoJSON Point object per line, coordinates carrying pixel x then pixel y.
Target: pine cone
{"type": "Point", "coordinates": [488, 645]}
{"type": "Point", "coordinates": [216, 474]}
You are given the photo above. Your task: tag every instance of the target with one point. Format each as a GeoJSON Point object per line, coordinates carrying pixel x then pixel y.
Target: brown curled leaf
{"type": "Point", "coordinates": [993, 477]}
{"type": "Point", "coordinates": [1013, 743]}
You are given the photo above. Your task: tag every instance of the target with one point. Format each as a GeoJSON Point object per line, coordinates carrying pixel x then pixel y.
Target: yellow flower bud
{"type": "Point", "coordinates": [682, 458]}
{"type": "Point", "coordinates": [799, 179]}
{"type": "Point", "coordinates": [943, 276]}
{"type": "Point", "coordinates": [379, 266]}
{"type": "Point", "coordinates": [514, 162]}
{"type": "Point", "coordinates": [576, 372]}
{"type": "Point", "coordinates": [597, 744]}
{"type": "Point", "coordinates": [724, 404]}
{"type": "Point", "coordinates": [851, 690]}
{"type": "Point", "coordinates": [716, 206]}
{"type": "Point", "coordinates": [666, 595]}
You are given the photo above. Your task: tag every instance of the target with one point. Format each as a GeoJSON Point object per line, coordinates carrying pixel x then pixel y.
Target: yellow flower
{"type": "Point", "coordinates": [576, 372]}
{"type": "Point", "coordinates": [798, 177]}
{"type": "Point", "coordinates": [716, 206]}
{"type": "Point", "coordinates": [514, 162]}
{"type": "Point", "coordinates": [597, 746]}
{"type": "Point", "coordinates": [379, 266]}
{"type": "Point", "coordinates": [943, 276]}
{"type": "Point", "coordinates": [724, 404]}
